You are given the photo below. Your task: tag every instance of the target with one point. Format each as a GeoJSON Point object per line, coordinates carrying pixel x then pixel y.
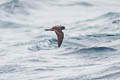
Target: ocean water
{"type": "Point", "coordinates": [91, 46]}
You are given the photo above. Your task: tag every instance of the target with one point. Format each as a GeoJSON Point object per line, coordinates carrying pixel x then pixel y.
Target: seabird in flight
{"type": "Point", "coordinates": [58, 30]}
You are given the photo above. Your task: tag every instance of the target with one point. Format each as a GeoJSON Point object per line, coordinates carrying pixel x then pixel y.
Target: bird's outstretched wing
{"type": "Point", "coordinates": [60, 36]}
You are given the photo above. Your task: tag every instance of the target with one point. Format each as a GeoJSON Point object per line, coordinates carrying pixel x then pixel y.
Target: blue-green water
{"type": "Point", "coordinates": [91, 46]}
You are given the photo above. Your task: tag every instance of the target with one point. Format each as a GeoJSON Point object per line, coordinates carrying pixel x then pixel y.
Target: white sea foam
{"type": "Point", "coordinates": [90, 50]}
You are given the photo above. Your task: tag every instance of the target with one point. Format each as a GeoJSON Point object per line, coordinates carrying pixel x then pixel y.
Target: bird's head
{"type": "Point", "coordinates": [62, 27]}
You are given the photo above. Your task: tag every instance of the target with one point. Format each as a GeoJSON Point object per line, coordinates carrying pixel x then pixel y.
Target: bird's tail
{"type": "Point", "coordinates": [47, 30]}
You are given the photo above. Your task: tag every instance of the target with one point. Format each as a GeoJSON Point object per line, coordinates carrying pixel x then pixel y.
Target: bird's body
{"type": "Point", "coordinates": [58, 30]}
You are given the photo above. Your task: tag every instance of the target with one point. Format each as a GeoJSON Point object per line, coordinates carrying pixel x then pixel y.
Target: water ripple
{"type": "Point", "coordinates": [10, 69]}
{"type": "Point", "coordinates": [95, 50]}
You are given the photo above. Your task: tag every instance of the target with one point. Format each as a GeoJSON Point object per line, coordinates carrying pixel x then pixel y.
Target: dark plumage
{"type": "Point", "coordinates": [58, 30]}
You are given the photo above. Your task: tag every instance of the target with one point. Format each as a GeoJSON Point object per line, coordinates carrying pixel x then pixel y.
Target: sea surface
{"type": "Point", "coordinates": [91, 46]}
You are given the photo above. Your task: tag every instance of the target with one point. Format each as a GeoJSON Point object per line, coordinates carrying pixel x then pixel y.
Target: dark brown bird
{"type": "Point", "coordinates": [58, 30]}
